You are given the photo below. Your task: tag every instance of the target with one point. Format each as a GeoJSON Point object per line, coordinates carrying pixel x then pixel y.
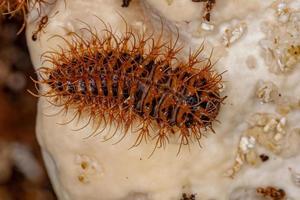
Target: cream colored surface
{"type": "Point", "coordinates": [116, 173]}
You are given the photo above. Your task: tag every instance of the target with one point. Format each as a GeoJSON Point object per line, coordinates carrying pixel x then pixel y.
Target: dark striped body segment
{"type": "Point", "coordinates": [125, 84]}
{"type": "Point", "coordinates": [152, 89]}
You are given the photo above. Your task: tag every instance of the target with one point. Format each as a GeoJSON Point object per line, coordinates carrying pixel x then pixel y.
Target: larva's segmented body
{"type": "Point", "coordinates": [116, 80]}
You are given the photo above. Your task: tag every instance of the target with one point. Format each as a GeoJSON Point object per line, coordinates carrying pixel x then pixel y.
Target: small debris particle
{"type": "Point", "coordinates": [208, 7]}
{"type": "Point", "coordinates": [188, 197]}
{"type": "Point", "coordinates": [264, 157]}
{"type": "Point", "coordinates": [207, 27]}
{"type": "Point", "coordinates": [267, 91]}
{"type": "Point", "coordinates": [209, 4]}
{"type": "Point", "coordinates": [281, 44]}
{"type": "Point", "coordinates": [84, 165]}
{"type": "Point", "coordinates": [233, 33]}
{"type": "Point", "coordinates": [88, 168]}
{"type": "Point", "coordinates": [126, 3]}
{"type": "Point", "coordinates": [81, 178]}
{"type": "Point", "coordinates": [271, 192]}
{"type": "Point", "coordinates": [247, 143]}
{"type": "Point", "coordinates": [294, 50]}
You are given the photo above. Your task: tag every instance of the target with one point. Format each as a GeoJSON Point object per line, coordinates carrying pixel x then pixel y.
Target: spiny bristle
{"type": "Point", "coordinates": [135, 79]}
{"type": "Point", "coordinates": [20, 8]}
{"type": "Point", "coordinates": [14, 8]}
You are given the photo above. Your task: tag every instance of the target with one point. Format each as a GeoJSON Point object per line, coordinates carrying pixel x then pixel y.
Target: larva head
{"type": "Point", "coordinates": [203, 97]}
{"type": "Point", "coordinates": [128, 84]}
{"type": "Point", "coordinates": [197, 97]}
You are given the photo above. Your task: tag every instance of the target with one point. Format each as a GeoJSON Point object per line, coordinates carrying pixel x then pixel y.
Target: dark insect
{"type": "Point", "coordinates": [42, 24]}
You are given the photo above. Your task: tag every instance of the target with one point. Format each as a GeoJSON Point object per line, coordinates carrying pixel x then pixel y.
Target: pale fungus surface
{"type": "Point", "coordinates": [255, 145]}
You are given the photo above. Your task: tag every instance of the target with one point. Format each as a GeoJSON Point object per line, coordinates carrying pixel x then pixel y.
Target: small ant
{"type": "Point", "coordinates": [42, 24]}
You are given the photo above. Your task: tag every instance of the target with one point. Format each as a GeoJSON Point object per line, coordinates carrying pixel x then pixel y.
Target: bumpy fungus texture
{"type": "Point", "coordinates": [116, 80]}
